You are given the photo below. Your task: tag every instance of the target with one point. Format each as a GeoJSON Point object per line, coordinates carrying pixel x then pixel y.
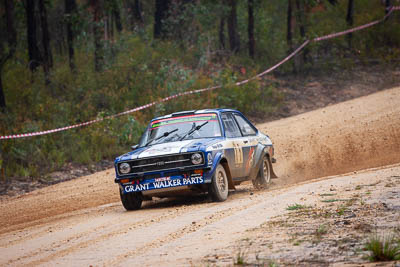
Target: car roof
{"type": "Point", "coordinates": [193, 112]}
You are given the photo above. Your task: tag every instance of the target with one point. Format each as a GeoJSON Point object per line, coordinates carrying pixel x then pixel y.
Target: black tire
{"type": "Point", "coordinates": [264, 174]}
{"type": "Point", "coordinates": [131, 201]}
{"type": "Point", "coordinates": [219, 185]}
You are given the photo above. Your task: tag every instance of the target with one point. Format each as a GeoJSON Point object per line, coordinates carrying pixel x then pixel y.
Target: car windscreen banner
{"type": "Point", "coordinates": [184, 119]}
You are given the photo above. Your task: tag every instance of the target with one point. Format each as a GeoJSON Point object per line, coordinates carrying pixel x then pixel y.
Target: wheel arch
{"type": "Point", "coordinates": [262, 152]}
{"type": "Point", "coordinates": [224, 162]}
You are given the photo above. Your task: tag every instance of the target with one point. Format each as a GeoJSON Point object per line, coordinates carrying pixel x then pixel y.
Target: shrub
{"type": "Point", "coordinates": [383, 248]}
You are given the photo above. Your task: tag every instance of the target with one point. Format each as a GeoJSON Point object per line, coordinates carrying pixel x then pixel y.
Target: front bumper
{"type": "Point", "coordinates": [162, 182]}
{"type": "Point", "coordinates": [184, 171]}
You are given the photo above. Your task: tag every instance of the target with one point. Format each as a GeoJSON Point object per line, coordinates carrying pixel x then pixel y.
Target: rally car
{"type": "Point", "coordinates": [198, 151]}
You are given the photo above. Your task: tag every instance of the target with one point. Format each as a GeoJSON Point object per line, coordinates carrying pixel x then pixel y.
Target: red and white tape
{"type": "Point", "coordinates": [333, 35]}
{"type": "Point", "coordinates": [318, 39]}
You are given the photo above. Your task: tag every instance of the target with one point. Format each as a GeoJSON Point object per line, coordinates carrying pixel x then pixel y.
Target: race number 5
{"type": "Point", "coordinates": [238, 153]}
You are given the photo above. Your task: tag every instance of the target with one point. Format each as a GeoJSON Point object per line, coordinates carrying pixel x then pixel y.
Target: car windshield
{"type": "Point", "coordinates": [181, 128]}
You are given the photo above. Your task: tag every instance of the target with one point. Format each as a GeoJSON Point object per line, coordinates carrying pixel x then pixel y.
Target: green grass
{"type": "Point", "coordinates": [327, 195]}
{"type": "Point", "coordinates": [330, 200]}
{"type": "Point", "coordinates": [295, 207]}
{"type": "Point", "coordinates": [297, 242]}
{"type": "Point", "coordinates": [321, 230]}
{"type": "Point", "coordinates": [240, 258]}
{"type": "Point", "coordinates": [383, 248]}
{"type": "Point", "coordinates": [341, 210]}
{"type": "Point", "coordinates": [337, 200]}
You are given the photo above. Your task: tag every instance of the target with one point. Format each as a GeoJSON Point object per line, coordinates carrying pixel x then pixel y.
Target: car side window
{"type": "Point", "coordinates": [245, 127]}
{"type": "Point", "coordinates": [231, 128]}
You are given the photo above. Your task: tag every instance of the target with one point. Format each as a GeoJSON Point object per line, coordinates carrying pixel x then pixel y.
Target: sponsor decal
{"type": "Point", "coordinates": [238, 153]}
{"type": "Point", "coordinates": [168, 183]}
{"type": "Point", "coordinates": [193, 180]}
{"type": "Point", "coordinates": [136, 187]}
{"type": "Point", "coordinates": [160, 149]}
{"type": "Point", "coordinates": [162, 179]}
{"type": "Point", "coordinates": [164, 182]}
{"type": "Point", "coordinates": [250, 159]}
{"type": "Point", "coordinates": [217, 146]}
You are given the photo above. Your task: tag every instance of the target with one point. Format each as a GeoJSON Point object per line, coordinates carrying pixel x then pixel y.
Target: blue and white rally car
{"type": "Point", "coordinates": [198, 151]}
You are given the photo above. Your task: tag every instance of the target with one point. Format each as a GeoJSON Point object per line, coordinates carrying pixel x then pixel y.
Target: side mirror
{"type": "Point", "coordinates": [134, 147]}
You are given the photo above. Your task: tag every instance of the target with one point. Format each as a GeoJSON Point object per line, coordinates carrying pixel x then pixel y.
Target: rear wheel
{"type": "Point", "coordinates": [131, 201]}
{"type": "Point", "coordinates": [219, 185]}
{"type": "Point", "coordinates": [263, 178]}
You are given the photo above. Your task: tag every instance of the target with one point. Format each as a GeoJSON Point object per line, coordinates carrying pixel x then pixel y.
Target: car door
{"type": "Point", "coordinates": [233, 147]}
{"type": "Point", "coordinates": [248, 142]}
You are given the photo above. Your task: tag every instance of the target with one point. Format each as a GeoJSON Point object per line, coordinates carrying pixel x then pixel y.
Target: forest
{"type": "Point", "coordinates": [64, 62]}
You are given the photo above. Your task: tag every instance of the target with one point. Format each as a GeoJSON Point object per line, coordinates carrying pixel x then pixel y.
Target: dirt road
{"type": "Point", "coordinates": [81, 222]}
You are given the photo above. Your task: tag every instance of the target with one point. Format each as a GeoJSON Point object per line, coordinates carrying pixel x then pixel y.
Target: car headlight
{"type": "Point", "coordinates": [124, 168]}
{"type": "Point", "coordinates": [197, 158]}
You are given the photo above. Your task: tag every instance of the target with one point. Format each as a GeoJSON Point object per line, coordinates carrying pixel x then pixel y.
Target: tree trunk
{"type": "Point", "coordinates": [12, 43]}
{"type": "Point", "coordinates": [300, 18]}
{"type": "Point", "coordinates": [349, 19]}
{"type": "Point", "coordinates": [160, 15]}
{"type": "Point", "coordinates": [250, 28]}
{"type": "Point", "coordinates": [2, 96]}
{"type": "Point", "coordinates": [135, 16]}
{"type": "Point", "coordinates": [116, 15]}
{"type": "Point", "coordinates": [234, 40]}
{"type": "Point", "coordinates": [137, 11]}
{"type": "Point", "coordinates": [112, 26]}
{"type": "Point", "coordinates": [47, 56]}
{"type": "Point", "coordinates": [387, 5]}
{"type": "Point", "coordinates": [11, 32]}
{"type": "Point", "coordinates": [98, 33]}
{"type": "Point", "coordinates": [222, 33]}
{"type": "Point", "coordinates": [301, 22]}
{"type": "Point", "coordinates": [290, 28]}
{"type": "Point", "coordinates": [70, 12]}
{"type": "Point", "coordinates": [33, 50]}
{"type": "Point", "coordinates": [289, 34]}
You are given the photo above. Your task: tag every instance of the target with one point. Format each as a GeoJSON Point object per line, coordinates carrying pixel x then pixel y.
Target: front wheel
{"type": "Point", "coordinates": [219, 185]}
{"type": "Point", "coordinates": [263, 178]}
{"type": "Point", "coordinates": [131, 201]}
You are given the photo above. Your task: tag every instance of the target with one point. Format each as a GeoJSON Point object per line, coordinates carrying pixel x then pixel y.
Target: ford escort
{"type": "Point", "coordinates": [202, 151]}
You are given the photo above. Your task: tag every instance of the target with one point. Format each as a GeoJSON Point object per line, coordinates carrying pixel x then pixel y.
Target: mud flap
{"type": "Point", "coordinates": [259, 156]}
{"type": "Point", "coordinates": [273, 175]}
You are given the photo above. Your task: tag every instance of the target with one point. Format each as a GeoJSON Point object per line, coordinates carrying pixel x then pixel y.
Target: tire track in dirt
{"type": "Point", "coordinates": [181, 223]}
{"type": "Point", "coordinates": [44, 205]}
{"type": "Point", "coordinates": [91, 237]}
{"type": "Point", "coordinates": [188, 228]}
{"type": "Point", "coordinates": [31, 232]}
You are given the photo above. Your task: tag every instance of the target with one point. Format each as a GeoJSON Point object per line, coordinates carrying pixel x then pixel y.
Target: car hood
{"type": "Point", "coordinates": [169, 148]}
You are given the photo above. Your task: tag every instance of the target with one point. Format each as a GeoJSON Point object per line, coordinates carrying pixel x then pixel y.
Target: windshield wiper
{"type": "Point", "coordinates": [163, 135]}
{"type": "Point", "coordinates": [193, 130]}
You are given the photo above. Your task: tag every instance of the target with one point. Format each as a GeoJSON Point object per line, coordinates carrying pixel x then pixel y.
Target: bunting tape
{"type": "Point", "coordinates": [333, 35]}
{"type": "Point", "coordinates": [168, 98]}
